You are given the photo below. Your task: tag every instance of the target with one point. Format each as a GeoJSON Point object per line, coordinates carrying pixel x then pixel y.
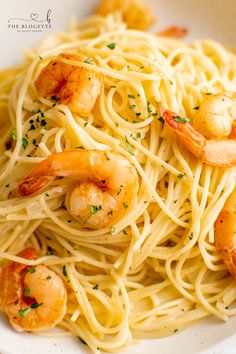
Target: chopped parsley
{"type": "Point", "coordinates": [139, 136]}
{"type": "Point", "coordinates": [131, 96]}
{"type": "Point", "coordinates": [196, 108]}
{"type": "Point", "coordinates": [111, 45]}
{"type": "Point", "coordinates": [145, 201]}
{"type": "Point", "coordinates": [40, 58]}
{"type": "Point", "coordinates": [161, 120]}
{"type": "Point", "coordinates": [94, 209]}
{"type": "Point", "coordinates": [14, 134]}
{"type": "Point", "coordinates": [191, 236]}
{"type": "Point", "coordinates": [24, 142]}
{"type": "Point", "coordinates": [149, 108]}
{"type": "Point", "coordinates": [32, 127]}
{"type": "Point", "coordinates": [138, 114]}
{"type": "Point", "coordinates": [113, 86]}
{"type": "Point", "coordinates": [176, 330]}
{"type": "Point", "coordinates": [82, 341]}
{"type": "Point", "coordinates": [89, 60]}
{"type": "Point", "coordinates": [132, 106]}
{"type": "Point", "coordinates": [43, 122]}
{"type": "Point", "coordinates": [129, 147]}
{"type": "Point", "coordinates": [64, 271]}
{"type": "Point", "coordinates": [34, 111]}
{"type": "Point", "coordinates": [181, 175]}
{"type": "Point", "coordinates": [116, 124]}
{"type": "Point", "coordinates": [125, 205]}
{"type": "Point", "coordinates": [23, 313]}
{"type": "Point", "coordinates": [31, 270]}
{"type": "Point", "coordinates": [7, 185]}
{"type": "Point", "coordinates": [175, 201]}
{"type": "Point", "coordinates": [50, 252]}
{"type": "Point", "coordinates": [85, 124]}
{"type": "Point", "coordinates": [95, 287]}
{"type": "Point", "coordinates": [181, 119]}
{"type": "Point", "coordinates": [49, 277]}
{"type": "Point", "coordinates": [80, 147]}
{"type": "Point", "coordinates": [54, 98]}
{"type": "Point", "coordinates": [27, 292]}
{"type": "Point", "coordinates": [208, 93]}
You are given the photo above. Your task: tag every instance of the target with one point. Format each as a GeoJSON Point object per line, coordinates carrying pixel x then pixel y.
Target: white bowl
{"type": "Point", "coordinates": [204, 18]}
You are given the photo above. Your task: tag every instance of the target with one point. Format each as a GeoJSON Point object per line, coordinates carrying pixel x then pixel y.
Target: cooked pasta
{"type": "Point", "coordinates": [156, 270]}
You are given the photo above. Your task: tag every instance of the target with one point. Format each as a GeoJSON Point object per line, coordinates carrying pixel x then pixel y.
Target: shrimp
{"type": "Point", "coordinates": [214, 142]}
{"type": "Point", "coordinates": [174, 32]}
{"type": "Point", "coordinates": [34, 298]}
{"type": "Point", "coordinates": [77, 87]}
{"type": "Point", "coordinates": [105, 188]}
{"type": "Point", "coordinates": [225, 231]}
{"type": "Point", "coordinates": [136, 13]}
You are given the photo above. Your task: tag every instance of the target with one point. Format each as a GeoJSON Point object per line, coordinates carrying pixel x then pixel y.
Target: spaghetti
{"type": "Point", "coordinates": [157, 270]}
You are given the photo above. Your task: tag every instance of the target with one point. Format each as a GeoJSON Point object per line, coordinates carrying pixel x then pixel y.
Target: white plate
{"type": "Point", "coordinates": [204, 18]}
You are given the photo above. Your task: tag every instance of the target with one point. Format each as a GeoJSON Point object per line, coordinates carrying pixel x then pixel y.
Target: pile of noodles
{"type": "Point", "coordinates": [157, 270]}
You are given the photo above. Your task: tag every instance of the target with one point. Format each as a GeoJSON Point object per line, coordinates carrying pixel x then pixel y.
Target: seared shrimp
{"type": "Point", "coordinates": [225, 230]}
{"type": "Point", "coordinates": [214, 142]}
{"type": "Point", "coordinates": [34, 298]}
{"type": "Point", "coordinates": [174, 32]}
{"type": "Point", "coordinates": [77, 87]}
{"type": "Point", "coordinates": [105, 189]}
{"type": "Point", "coordinates": [136, 13]}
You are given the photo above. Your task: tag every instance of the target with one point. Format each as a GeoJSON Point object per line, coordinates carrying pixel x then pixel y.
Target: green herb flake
{"type": "Point", "coordinates": [95, 287]}
{"type": "Point", "coordinates": [175, 201]}
{"type": "Point", "coordinates": [43, 122]}
{"type": "Point", "coordinates": [7, 185]}
{"type": "Point", "coordinates": [31, 270]}
{"type": "Point", "coordinates": [23, 313]}
{"type": "Point", "coordinates": [131, 96]}
{"type": "Point", "coordinates": [171, 82]}
{"type": "Point", "coordinates": [129, 147]}
{"type": "Point", "coordinates": [181, 119]}
{"type": "Point", "coordinates": [32, 127]}
{"type": "Point", "coordinates": [48, 277]}
{"type": "Point", "coordinates": [145, 201]}
{"type": "Point", "coordinates": [14, 135]}
{"type": "Point", "coordinates": [138, 114]}
{"type": "Point", "coordinates": [125, 205]}
{"type": "Point", "coordinates": [82, 341]}
{"type": "Point", "coordinates": [85, 124]}
{"type": "Point", "coordinates": [35, 305]}
{"type": "Point", "coordinates": [208, 93]}
{"type": "Point", "coordinates": [196, 108]}
{"type": "Point", "coordinates": [149, 108]}
{"type": "Point", "coordinates": [111, 45]}
{"type": "Point", "coordinates": [181, 175]}
{"type": "Point", "coordinates": [50, 253]}
{"type": "Point", "coordinates": [139, 136]}
{"type": "Point", "coordinates": [80, 147]}
{"type": "Point", "coordinates": [89, 60]}
{"type": "Point", "coordinates": [113, 86]}
{"type": "Point", "coordinates": [116, 124]}
{"type": "Point", "coordinates": [161, 120]}
{"type": "Point", "coordinates": [55, 98]}
{"type": "Point", "coordinates": [64, 271]}
{"type": "Point", "coordinates": [94, 209]}
{"type": "Point", "coordinates": [40, 58]}
{"type": "Point", "coordinates": [191, 236]}
{"type": "Point", "coordinates": [113, 230]}
{"type": "Point", "coordinates": [27, 292]}
{"type": "Point", "coordinates": [34, 111]}
{"type": "Point", "coordinates": [24, 142]}
{"type": "Point", "coordinates": [54, 104]}
{"type": "Point", "coordinates": [132, 106]}
{"type": "Point", "coordinates": [176, 330]}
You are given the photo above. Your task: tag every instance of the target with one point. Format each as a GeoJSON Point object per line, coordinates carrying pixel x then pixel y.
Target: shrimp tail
{"type": "Point", "coordinates": [38, 178]}
{"type": "Point", "coordinates": [193, 140]}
